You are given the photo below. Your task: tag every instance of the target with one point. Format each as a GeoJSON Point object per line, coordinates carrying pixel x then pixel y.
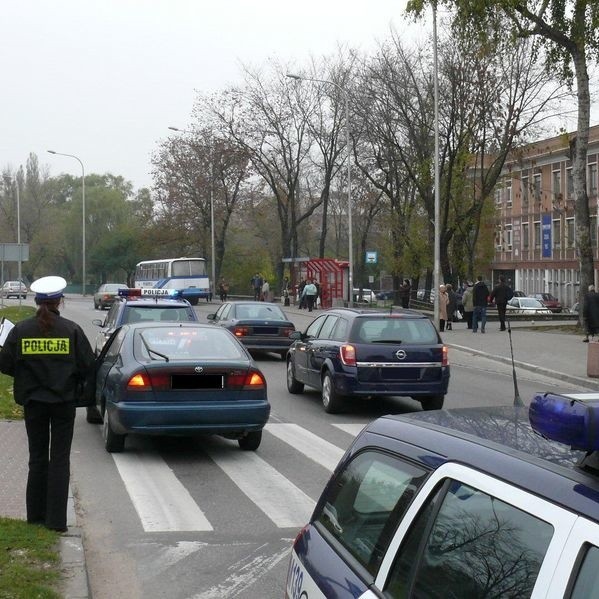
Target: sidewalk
{"type": "Point", "coordinates": [558, 355]}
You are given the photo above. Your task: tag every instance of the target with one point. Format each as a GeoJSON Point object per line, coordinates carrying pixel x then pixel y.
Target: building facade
{"type": "Point", "coordinates": [534, 221]}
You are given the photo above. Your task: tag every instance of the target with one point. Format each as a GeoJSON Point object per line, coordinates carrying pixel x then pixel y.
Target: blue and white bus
{"type": "Point", "coordinates": [185, 274]}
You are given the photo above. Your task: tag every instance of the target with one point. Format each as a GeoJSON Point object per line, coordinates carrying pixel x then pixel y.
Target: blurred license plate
{"type": "Point", "coordinates": [197, 381]}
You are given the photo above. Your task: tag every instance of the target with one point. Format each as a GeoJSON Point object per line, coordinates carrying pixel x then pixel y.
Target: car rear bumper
{"type": "Point", "coordinates": [183, 418]}
{"type": "Point", "coordinates": [265, 344]}
{"type": "Point", "coordinates": [348, 384]}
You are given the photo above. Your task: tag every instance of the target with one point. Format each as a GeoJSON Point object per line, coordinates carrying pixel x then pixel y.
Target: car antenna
{"type": "Point", "coordinates": [517, 400]}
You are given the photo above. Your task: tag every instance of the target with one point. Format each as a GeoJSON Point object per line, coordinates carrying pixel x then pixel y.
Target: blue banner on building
{"type": "Point", "coordinates": [546, 235]}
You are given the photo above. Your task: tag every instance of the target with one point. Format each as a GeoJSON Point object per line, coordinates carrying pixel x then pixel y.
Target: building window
{"type": "Point", "coordinates": [569, 183]}
{"type": "Point", "coordinates": [508, 194]}
{"type": "Point", "coordinates": [557, 234]}
{"type": "Point", "coordinates": [570, 233]}
{"type": "Point", "coordinates": [508, 237]}
{"type": "Point", "coordinates": [536, 184]}
{"type": "Point", "coordinates": [524, 190]}
{"type": "Point", "coordinates": [557, 185]}
{"type": "Point", "coordinates": [498, 199]}
{"type": "Point", "coordinates": [593, 179]}
{"type": "Point", "coordinates": [537, 232]}
{"type": "Point", "coordinates": [593, 231]}
{"type": "Point", "coordinates": [525, 236]}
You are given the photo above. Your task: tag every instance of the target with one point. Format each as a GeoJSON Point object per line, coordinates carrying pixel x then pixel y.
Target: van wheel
{"type": "Point", "coordinates": [432, 402]}
{"type": "Point", "coordinates": [113, 442]}
{"type": "Point", "coordinates": [331, 400]}
{"type": "Point", "coordinates": [293, 385]}
{"type": "Point", "coordinates": [250, 441]}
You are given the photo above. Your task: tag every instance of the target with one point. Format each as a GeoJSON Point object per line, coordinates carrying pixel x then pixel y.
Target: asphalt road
{"type": "Point", "coordinates": [140, 510]}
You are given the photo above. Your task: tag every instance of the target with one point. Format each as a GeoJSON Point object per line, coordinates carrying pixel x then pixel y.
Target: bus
{"type": "Point", "coordinates": [185, 274]}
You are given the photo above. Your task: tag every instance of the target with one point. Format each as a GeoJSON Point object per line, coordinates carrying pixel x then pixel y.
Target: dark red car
{"type": "Point", "coordinates": [549, 300]}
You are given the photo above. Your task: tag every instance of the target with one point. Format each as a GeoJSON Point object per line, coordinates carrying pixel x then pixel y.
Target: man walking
{"type": "Point", "coordinates": [480, 294]}
{"type": "Point", "coordinates": [502, 293]}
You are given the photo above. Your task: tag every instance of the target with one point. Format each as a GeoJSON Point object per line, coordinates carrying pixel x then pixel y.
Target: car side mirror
{"type": "Point", "coordinates": [211, 316]}
{"type": "Point", "coordinates": [97, 322]}
{"type": "Point", "coordinates": [296, 335]}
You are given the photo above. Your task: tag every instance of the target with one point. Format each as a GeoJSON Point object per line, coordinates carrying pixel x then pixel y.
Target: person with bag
{"type": "Point", "coordinates": [310, 293]}
{"type": "Point", "coordinates": [452, 306]}
{"type": "Point", "coordinates": [50, 359]}
{"type": "Point", "coordinates": [443, 305]}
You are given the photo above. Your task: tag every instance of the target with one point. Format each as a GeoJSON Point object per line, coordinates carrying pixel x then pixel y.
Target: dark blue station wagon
{"type": "Point", "coordinates": [363, 353]}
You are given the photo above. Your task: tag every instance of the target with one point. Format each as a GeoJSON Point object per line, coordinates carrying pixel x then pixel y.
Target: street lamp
{"type": "Point", "coordinates": [83, 208]}
{"type": "Point", "coordinates": [20, 267]}
{"type": "Point", "coordinates": [348, 149]}
{"type": "Point", "coordinates": [211, 205]}
{"type": "Point", "coordinates": [437, 241]}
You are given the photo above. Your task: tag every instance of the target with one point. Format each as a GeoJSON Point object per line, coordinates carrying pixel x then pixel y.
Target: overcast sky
{"type": "Point", "coordinates": [103, 79]}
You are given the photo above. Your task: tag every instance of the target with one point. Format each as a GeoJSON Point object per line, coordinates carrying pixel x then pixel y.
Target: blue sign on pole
{"type": "Point", "coordinates": [546, 235]}
{"type": "Point", "coordinates": [371, 257]}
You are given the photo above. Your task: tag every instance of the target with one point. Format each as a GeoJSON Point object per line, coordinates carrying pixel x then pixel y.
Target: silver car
{"type": "Point", "coordinates": [104, 297]}
{"type": "Point", "coordinates": [14, 289]}
{"type": "Point", "coordinates": [527, 306]}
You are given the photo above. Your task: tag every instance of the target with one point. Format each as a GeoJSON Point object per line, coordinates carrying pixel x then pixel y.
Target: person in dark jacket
{"type": "Point", "coordinates": [480, 295]}
{"type": "Point", "coordinates": [404, 293]}
{"type": "Point", "coordinates": [502, 293]}
{"type": "Point", "coordinates": [49, 358]}
{"type": "Point", "coordinates": [590, 313]}
{"type": "Point", "coordinates": [452, 305]}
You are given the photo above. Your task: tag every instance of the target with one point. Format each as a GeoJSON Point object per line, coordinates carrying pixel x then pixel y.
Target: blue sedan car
{"type": "Point", "coordinates": [179, 379]}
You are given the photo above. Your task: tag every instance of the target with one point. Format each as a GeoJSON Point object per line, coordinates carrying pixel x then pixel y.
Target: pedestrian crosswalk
{"type": "Point", "coordinates": [164, 504]}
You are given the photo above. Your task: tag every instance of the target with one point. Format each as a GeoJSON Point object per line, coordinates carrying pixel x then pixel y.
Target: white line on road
{"type": "Point", "coordinates": [284, 503]}
{"type": "Point", "coordinates": [317, 449]}
{"type": "Point", "coordinates": [161, 501]}
{"type": "Point", "coordinates": [353, 428]}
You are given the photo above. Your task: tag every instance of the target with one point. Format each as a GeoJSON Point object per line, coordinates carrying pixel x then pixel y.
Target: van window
{"type": "Point", "coordinates": [474, 546]}
{"type": "Point", "coordinates": [366, 502]}
{"type": "Point", "coordinates": [587, 581]}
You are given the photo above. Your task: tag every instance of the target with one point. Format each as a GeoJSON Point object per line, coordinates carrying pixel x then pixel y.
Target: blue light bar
{"type": "Point", "coordinates": [571, 419]}
{"type": "Point", "coordinates": [149, 292]}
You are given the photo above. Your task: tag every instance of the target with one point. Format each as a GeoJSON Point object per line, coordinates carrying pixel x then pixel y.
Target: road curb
{"type": "Point", "coordinates": [75, 583]}
{"type": "Point", "coordinates": [560, 376]}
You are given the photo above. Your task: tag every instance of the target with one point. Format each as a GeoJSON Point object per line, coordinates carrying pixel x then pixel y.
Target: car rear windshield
{"type": "Point", "coordinates": [135, 313]}
{"type": "Point", "coordinates": [259, 312]}
{"type": "Point", "coordinates": [394, 329]}
{"type": "Point", "coordinates": [185, 343]}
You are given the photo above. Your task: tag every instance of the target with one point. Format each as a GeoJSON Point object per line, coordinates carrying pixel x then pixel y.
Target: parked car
{"type": "Point", "coordinates": [549, 300]}
{"type": "Point", "coordinates": [159, 378]}
{"type": "Point", "coordinates": [385, 295]}
{"type": "Point", "coordinates": [474, 502]}
{"type": "Point", "coordinates": [367, 296]}
{"type": "Point", "coordinates": [257, 325]}
{"type": "Point", "coordinates": [575, 307]}
{"type": "Point", "coordinates": [14, 289]}
{"type": "Point", "coordinates": [519, 294]}
{"type": "Point", "coordinates": [348, 352]}
{"type": "Point", "coordinates": [106, 294]}
{"type": "Point", "coordinates": [526, 306]}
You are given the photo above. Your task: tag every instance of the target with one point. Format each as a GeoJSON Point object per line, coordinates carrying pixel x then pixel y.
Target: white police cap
{"type": "Point", "coordinates": [48, 288]}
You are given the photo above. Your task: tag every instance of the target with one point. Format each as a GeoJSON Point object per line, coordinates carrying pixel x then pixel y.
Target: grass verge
{"type": "Point", "coordinates": [29, 562]}
{"type": "Point", "coordinates": [9, 410]}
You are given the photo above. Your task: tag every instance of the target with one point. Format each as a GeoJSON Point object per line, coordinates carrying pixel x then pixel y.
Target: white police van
{"type": "Point", "coordinates": [468, 503]}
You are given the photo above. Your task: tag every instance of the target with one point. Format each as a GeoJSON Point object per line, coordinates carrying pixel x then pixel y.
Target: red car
{"type": "Point", "coordinates": [549, 300]}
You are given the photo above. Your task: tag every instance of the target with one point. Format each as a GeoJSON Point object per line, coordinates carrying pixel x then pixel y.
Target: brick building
{"type": "Point", "coordinates": [534, 218]}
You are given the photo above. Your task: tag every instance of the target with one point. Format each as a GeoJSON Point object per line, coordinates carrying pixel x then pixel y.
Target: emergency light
{"type": "Point", "coordinates": [571, 419]}
{"type": "Point", "coordinates": [149, 292]}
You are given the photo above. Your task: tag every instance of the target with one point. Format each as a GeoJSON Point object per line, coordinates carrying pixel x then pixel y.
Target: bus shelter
{"type": "Point", "coordinates": [332, 276]}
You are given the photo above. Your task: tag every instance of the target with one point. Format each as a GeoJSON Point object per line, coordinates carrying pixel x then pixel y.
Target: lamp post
{"type": "Point", "coordinates": [20, 267]}
{"type": "Point", "coordinates": [83, 209]}
{"type": "Point", "coordinates": [348, 150]}
{"type": "Point", "coordinates": [211, 205]}
{"type": "Point", "coordinates": [437, 242]}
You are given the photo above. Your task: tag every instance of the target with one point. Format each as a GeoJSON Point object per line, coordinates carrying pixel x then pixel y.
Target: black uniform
{"type": "Point", "coordinates": [48, 370]}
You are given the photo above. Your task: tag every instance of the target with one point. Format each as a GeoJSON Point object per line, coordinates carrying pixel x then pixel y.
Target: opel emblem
{"type": "Point", "coordinates": [400, 354]}
{"type": "Point", "coordinates": [199, 369]}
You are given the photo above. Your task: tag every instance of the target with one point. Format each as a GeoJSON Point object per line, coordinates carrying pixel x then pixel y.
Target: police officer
{"type": "Point", "coordinates": [49, 358]}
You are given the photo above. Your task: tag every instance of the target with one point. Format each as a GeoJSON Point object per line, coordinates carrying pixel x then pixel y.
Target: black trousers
{"type": "Point", "coordinates": [501, 309]}
{"type": "Point", "coordinates": [310, 300]}
{"type": "Point", "coordinates": [49, 434]}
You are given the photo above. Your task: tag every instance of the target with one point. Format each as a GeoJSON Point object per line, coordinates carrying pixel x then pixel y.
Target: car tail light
{"type": "Point", "coordinates": [287, 331]}
{"type": "Point", "coordinates": [139, 382]}
{"type": "Point", "coordinates": [348, 355]}
{"type": "Point", "coordinates": [247, 380]}
{"type": "Point", "coordinates": [241, 331]}
{"type": "Point", "coordinates": [445, 356]}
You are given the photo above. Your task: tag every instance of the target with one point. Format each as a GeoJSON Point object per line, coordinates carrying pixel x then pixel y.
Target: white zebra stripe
{"type": "Point", "coordinates": [352, 428]}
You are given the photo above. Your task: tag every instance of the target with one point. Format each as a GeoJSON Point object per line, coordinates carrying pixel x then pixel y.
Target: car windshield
{"type": "Point", "coordinates": [259, 312]}
{"type": "Point", "coordinates": [155, 313]}
{"type": "Point", "coordinates": [185, 343]}
{"type": "Point", "coordinates": [530, 302]}
{"type": "Point", "coordinates": [394, 330]}
{"type": "Point", "coordinates": [113, 287]}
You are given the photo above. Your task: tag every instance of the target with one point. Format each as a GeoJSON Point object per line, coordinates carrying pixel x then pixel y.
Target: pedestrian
{"type": "Point", "coordinates": [467, 301]}
{"type": "Point", "coordinates": [317, 299]}
{"type": "Point", "coordinates": [49, 358]}
{"type": "Point", "coordinates": [223, 289]}
{"type": "Point", "coordinates": [590, 313]}
{"type": "Point", "coordinates": [443, 303]}
{"type": "Point", "coordinates": [480, 297]}
{"type": "Point", "coordinates": [452, 306]}
{"type": "Point", "coordinates": [404, 293]}
{"type": "Point", "coordinates": [265, 296]}
{"type": "Point", "coordinates": [310, 292]}
{"type": "Point", "coordinates": [285, 291]}
{"type": "Point", "coordinates": [502, 293]}
{"type": "Point", "coordinates": [256, 283]}
{"type": "Point", "coordinates": [300, 291]}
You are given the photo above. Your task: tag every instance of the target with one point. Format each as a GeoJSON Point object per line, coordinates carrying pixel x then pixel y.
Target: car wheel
{"type": "Point", "coordinates": [293, 385]}
{"type": "Point", "coordinates": [331, 400]}
{"type": "Point", "coordinates": [250, 441]}
{"type": "Point", "coordinates": [112, 442]}
{"type": "Point", "coordinates": [95, 306]}
{"type": "Point", "coordinates": [283, 355]}
{"type": "Point", "coordinates": [432, 402]}
{"type": "Point", "coordinates": [92, 415]}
